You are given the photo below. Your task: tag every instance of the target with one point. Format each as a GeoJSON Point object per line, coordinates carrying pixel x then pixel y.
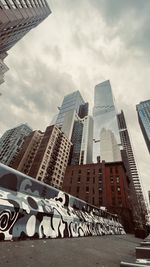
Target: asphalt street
{"type": "Point", "coordinates": [104, 251]}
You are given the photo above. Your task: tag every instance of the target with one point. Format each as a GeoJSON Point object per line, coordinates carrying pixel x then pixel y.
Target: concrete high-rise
{"type": "Point", "coordinates": [104, 114]}
{"type": "Point", "coordinates": [44, 156]}
{"type": "Point", "coordinates": [17, 17]}
{"type": "Point", "coordinates": [11, 142]}
{"type": "Point", "coordinates": [143, 110]}
{"type": "Point", "coordinates": [126, 143]}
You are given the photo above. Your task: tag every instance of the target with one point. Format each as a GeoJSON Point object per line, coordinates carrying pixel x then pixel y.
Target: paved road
{"type": "Point", "coordinates": [105, 251]}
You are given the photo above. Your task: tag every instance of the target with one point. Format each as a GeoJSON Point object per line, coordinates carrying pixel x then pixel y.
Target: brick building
{"type": "Point", "coordinates": [44, 156]}
{"type": "Point", "coordinates": [101, 184]}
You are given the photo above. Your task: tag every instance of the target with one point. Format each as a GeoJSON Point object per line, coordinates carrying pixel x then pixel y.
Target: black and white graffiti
{"type": "Point", "coordinates": [30, 209]}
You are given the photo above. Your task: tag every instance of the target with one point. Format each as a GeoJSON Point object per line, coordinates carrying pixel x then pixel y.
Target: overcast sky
{"type": "Point", "coordinates": [81, 44]}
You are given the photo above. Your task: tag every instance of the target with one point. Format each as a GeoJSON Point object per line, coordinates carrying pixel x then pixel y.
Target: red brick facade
{"type": "Point", "coordinates": [100, 184]}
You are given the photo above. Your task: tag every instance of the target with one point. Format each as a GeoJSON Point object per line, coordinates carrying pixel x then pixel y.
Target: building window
{"type": "Point", "coordinates": [93, 180]}
{"type": "Point", "coordinates": [111, 180]}
{"type": "Point", "coordinates": [87, 178]}
{"type": "Point", "coordinates": [94, 171]}
{"type": "Point", "coordinates": [100, 171]}
{"type": "Point", "coordinates": [87, 189]}
{"type": "Point", "coordinates": [78, 188]}
{"type": "Point", "coordinates": [100, 201]}
{"type": "Point", "coordinates": [118, 180]}
{"type": "Point", "coordinates": [79, 171]}
{"type": "Point", "coordinates": [79, 179]}
{"type": "Point", "coordinates": [88, 171]}
{"type": "Point", "coordinates": [72, 172]}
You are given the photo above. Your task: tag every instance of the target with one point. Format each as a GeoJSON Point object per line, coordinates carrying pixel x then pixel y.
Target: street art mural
{"type": "Point", "coordinates": [31, 209]}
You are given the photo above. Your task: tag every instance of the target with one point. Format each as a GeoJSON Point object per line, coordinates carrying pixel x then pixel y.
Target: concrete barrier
{"type": "Point", "coordinates": [31, 209]}
{"type": "Point", "coordinates": [145, 244]}
{"type": "Point", "coordinates": [129, 264]}
{"type": "Point", "coordinates": [142, 253]}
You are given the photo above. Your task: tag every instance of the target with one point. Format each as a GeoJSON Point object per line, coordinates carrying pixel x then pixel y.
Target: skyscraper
{"type": "Point", "coordinates": [44, 156]}
{"type": "Point", "coordinates": [143, 110]}
{"type": "Point", "coordinates": [17, 17]}
{"type": "Point", "coordinates": [75, 123]}
{"type": "Point", "coordinates": [104, 114]}
{"type": "Point", "coordinates": [11, 142]}
{"type": "Point", "coordinates": [82, 140]}
{"type": "Point", "coordinates": [126, 143]}
{"type": "Point", "coordinates": [109, 148]}
{"type": "Point", "coordinates": [71, 102]}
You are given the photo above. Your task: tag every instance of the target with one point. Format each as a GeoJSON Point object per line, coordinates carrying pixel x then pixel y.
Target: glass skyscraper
{"type": "Point", "coordinates": [74, 121]}
{"type": "Point", "coordinates": [71, 102]}
{"type": "Point", "coordinates": [104, 114]}
{"type": "Point", "coordinates": [143, 110]}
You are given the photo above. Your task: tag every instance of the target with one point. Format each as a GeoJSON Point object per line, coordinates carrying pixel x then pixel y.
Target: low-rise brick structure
{"type": "Point", "coordinates": [101, 184]}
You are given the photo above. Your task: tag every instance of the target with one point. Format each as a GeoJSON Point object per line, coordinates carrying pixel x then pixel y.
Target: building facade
{"type": "Point", "coordinates": [104, 115]}
{"type": "Point", "coordinates": [126, 143]}
{"type": "Point", "coordinates": [3, 69]}
{"type": "Point", "coordinates": [44, 156]}
{"type": "Point", "coordinates": [82, 141]}
{"type": "Point", "coordinates": [74, 122]}
{"type": "Point", "coordinates": [143, 110]}
{"type": "Point", "coordinates": [26, 156]}
{"type": "Point", "coordinates": [71, 102]}
{"type": "Point", "coordinates": [102, 185]}
{"type": "Point", "coordinates": [109, 148]}
{"type": "Point", "coordinates": [17, 17]}
{"type": "Point", "coordinates": [11, 142]}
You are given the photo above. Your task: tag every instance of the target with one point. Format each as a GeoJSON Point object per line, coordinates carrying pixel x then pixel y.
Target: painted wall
{"type": "Point", "coordinates": [30, 209]}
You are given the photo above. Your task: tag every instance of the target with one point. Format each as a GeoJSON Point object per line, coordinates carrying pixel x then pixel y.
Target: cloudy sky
{"type": "Point", "coordinates": [82, 43]}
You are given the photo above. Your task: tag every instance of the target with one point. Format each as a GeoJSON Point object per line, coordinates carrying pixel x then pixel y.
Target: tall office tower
{"type": "Point", "coordinates": [104, 114]}
{"type": "Point", "coordinates": [27, 153]}
{"type": "Point", "coordinates": [83, 110]}
{"type": "Point", "coordinates": [75, 123]}
{"type": "Point", "coordinates": [71, 102]}
{"type": "Point", "coordinates": [17, 17]}
{"type": "Point", "coordinates": [125, 140]}
{"type": "Point", "coordinates": [11, 142]}
{"type": "Point", "coordinates": [109, 148]}
{"type": "Point", "coordinates": [44, 156]}
{"type": "Point", "coordinates": [143, 110]}
{"type": "Point", "coordinates": [82, 140]}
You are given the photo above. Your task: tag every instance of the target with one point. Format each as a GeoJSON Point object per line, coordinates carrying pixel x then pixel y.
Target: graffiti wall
{"type": "Point", "coordinates": [30, 209]}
